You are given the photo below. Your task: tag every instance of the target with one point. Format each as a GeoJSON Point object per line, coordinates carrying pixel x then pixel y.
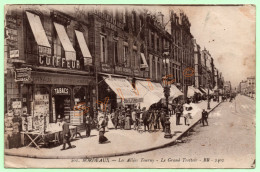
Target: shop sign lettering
{"type": "Point", "coordinates": [14, 53]}
{"type": "Point", "coordinates": [58, 62]}
{"type": "Point", "coordinates": [61, 91]}
{"type": "Point", "coordinates": [23, 74]}
{"type": "Point", "coordinates": [16, 104]}
{"type": "Point", "coordinates": [106, 67]}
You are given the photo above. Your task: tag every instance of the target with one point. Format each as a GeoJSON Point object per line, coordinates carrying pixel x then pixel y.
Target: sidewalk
{"type": "Point", "coordinates": [122, 142]}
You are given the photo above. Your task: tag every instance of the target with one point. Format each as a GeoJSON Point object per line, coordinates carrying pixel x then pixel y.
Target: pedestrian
{"type": "Point", "coordinates": [121, 119]}
{"type": "Point", "coordinates": [133, 114]}
{"type": "Point", "coordinates": [163, 118]}
{"type": "Point", "coordinates": [157, 120]}
{"type": "Point", "coordinates": [115, 119]}
{"type": "Point", "coordinates": [204, 117]}
{"type": "Point", "coordinates": [151, 120]}
{"type": "Point", "coordinates": [66, 134]}
{"type": "Point", "coordinates": [145, 118]}
{"type": "Point", "coordinates": [112, 117]}
{"type": "Point", "coordinates": [88, 125]}
{"type": "Point", "coordinates": [102, 125]}
{"type": "Point", "coordinates": [178, 114]}
{"type": "Point", "coordinates": [186, 113]}
{"type": "Point", "coordinates": [127, 121]}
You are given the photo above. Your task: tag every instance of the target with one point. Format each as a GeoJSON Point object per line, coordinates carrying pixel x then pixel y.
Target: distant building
{"type": "Point", "coordinates": [251, 86]}
{"type": "Point", "coordinates": [227, 87]}
{"type": "Point", "coordinates": [243, 87]}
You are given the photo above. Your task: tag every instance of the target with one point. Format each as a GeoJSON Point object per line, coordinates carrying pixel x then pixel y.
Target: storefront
{"type": "Point", "coordinates": [151, 92]}
{"type": "Point", "coordinates": [120, 93]}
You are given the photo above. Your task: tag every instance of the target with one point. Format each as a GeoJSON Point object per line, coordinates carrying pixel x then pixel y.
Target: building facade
{"type": "Point", "coordinates": [49, 66]}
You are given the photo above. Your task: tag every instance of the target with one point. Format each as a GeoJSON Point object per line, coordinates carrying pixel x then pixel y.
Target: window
{"type": "Point", "coordinates": [124, 16]}
{"type": "Point", "coordinates": [152, 40]}
{"type": "Point", "coordinates": [134, 21]}
{"type": "Point", "coordinates": [141, 23]}
{"type": "Point", "coordinates": [103, 49]}
{"type": "Point", "coordinates": [158, 44]}
{"type": "Point", "coordinates": [57, 47]}
{"type": "Point", "coordinates": [158, 70]}
{"type": "Point", "coordinates": [154, 69]}
{"type": "Point", "coordinates": [125, 56]}
{"type": "Point", "coordinates": [116, 52]}
{"type": "Point", "coordinates": [31, 45]}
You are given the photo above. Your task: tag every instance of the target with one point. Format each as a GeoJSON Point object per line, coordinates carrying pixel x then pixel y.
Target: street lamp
{"type": "Point", "coordinates": [165, 84]}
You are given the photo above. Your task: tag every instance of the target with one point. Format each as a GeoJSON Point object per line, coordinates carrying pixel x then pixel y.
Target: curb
{"type": "Point", "coordinates": [173, 142]}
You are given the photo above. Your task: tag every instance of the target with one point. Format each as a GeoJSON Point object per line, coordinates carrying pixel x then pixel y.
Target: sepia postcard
{"type": "Point", "coordinates": [129, 86]}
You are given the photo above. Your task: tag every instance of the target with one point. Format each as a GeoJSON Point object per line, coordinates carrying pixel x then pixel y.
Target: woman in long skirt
{"type": "Point", "coordinates": [102, 125]}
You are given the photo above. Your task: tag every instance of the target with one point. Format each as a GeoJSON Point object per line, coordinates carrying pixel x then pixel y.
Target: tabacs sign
{"type": "Point", "coordinates": [61, 91]}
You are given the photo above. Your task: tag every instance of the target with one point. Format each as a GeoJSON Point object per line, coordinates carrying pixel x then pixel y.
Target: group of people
{"type": "Point", "coordinates": [151, 120]}
{"type": "Point", "coordinates": [127, 119]}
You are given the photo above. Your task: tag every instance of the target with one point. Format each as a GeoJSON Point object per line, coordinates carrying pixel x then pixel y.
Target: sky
{"type": "Point", "coordinates": [228, 32]}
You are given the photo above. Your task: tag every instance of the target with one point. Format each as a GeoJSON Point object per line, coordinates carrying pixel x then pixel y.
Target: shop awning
{"type": "Point", "coordinates": [215, 88]}
{"type": "Point", "coordinates": [175, 92]}
{"type": "Point", "coordinates": [124, 90]}
{"type": "Point", "coordinates": [203, 90]}
{"type": "Point", "coordinates": [150, 92]}
{"type": "Point", "coordinates": [65, 41]}
{"type": "Point", "coordinates": [143, 61]}
{"type": "Point", "coordinates": [37, 29]}
{"type": "Point", "coordinates": [191, 91]}
{"type": "Point", "coordinates": [83, 46]}
{"type": "Point", "coordinates": [197, 90]}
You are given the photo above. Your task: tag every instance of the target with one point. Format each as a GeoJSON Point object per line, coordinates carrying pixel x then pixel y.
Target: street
{"type": "Point", "coordinates": [228, 142]}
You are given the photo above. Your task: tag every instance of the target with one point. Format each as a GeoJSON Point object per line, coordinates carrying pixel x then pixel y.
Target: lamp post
{"type": "Point", "coordinates": [165, 84]}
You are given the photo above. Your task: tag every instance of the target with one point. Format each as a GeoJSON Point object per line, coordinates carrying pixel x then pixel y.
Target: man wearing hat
{"type": "Point", "coordinates": [128, 120]}
{"type": "Point", "coordinates": [163, 118]}
{"type": "Point", "coordinates": [204, 117]}
{"type": "Point", "coordinates": [66, 134]}
{"type": "Point", "coordinates": [157, 119]}
{"type": "Point", "coordinates": [145, 118]}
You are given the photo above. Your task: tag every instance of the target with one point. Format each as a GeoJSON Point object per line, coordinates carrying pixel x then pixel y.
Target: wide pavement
{"type": "Point", "coordinates": [122, 142]}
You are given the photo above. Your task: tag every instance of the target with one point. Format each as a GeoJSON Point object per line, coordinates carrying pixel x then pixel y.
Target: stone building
{"type": "Point", "coordinates": [49, 66]}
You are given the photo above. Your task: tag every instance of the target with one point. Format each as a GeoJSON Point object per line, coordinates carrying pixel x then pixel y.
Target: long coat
{"type": "Point", "coordinates": [66, 132]}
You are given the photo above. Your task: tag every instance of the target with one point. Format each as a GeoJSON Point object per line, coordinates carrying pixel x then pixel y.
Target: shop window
{"type": "Point", "coordinates": [40, 107]}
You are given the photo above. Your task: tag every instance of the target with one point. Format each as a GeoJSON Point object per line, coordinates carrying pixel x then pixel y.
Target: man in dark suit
{"type": "Point", "coordinates": [145, 118]}
{"type": "Point", "coordinates": [163, 118]}
{"type": "Point", "coordinates": [88, 125]}
{"type": "Point", "coordinates": [178, 114]}
{"type": "Point", "coordinates": [66, 134]}
{"type": "Point", "coordinates": [204, 117]}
